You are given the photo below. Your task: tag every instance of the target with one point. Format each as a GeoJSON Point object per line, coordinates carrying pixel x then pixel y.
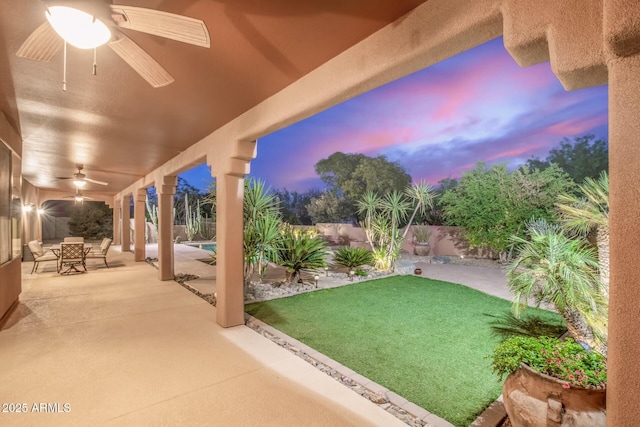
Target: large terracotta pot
{"type": "Point", "coordinates": [422, 249]}
{"type": "Point", "coordinates": [537, 400]}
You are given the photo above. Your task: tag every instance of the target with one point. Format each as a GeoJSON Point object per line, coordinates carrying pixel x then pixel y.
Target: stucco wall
{"type": "Point", "coordinates": [445, 241]}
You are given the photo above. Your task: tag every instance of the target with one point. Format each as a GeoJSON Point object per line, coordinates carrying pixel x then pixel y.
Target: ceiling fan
{"type": "Point", "coordinates": [80, 179]}
{"type": "Point", "coordinates": [79, 196]}
{"type": "Point", "coordinates": [87, 24]}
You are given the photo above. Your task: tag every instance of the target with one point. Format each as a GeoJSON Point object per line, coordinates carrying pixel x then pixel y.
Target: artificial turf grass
{"type": "Point", "coordinates": [423, 339]}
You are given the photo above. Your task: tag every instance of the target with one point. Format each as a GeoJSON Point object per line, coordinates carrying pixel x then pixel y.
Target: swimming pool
{"type": "Point", "coordinates": [205, 246]}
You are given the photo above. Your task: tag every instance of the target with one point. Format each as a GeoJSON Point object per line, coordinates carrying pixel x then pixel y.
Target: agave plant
{"type": "Point", "coordinates": [299, 251]}
{"type": "Point", "coordinates": [555, 269]}
{"type": "Point", "coordinates": [589, 212]}
{"type": "Point", "coordinates": [352, 257]}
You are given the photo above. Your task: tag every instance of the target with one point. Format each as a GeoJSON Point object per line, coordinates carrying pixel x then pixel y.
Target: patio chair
{"type": "Point", "coordinates": [102, 251]}
{"type": "Point", "coordinates": [71, 256]}
{"type": "Point", "coordinates": [74, 239]}
{"type": "Point", "coordinates": [40, 255]}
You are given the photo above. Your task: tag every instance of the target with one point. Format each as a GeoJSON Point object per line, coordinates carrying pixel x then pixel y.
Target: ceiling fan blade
{"type": "Point", "coordinates": [41, 45]}
{"type": "Point", "coordinates": [163, 24]}
{"type": "Point", "coordinates": [141, 61]}
{"type": "Point", "coordinates": [96, 182]}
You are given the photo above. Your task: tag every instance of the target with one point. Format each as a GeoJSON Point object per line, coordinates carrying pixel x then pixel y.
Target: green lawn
{"type": "Point", "coordinates": [424, 339]}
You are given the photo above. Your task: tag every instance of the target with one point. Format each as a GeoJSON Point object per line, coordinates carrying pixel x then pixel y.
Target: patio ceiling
{"type": "Point", "coordinates": [120, 128]}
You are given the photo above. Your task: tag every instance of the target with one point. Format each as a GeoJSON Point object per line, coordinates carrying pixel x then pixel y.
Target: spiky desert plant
{"type": "Point", "coordinates": [262, 219]}
{"type": "Point", "coordinates": [422, 196]}
{"type": "Point", "coordinates": [352, 258]}
{"type": "Point", "coordinates": [152, 212]}
{"type": "Point", "coordinates": [588, 212]}
{"type": "Point", "coordinates": [555, 269]}
{"type": "Point", "coordinates": [298, 251]}
{"type": "Point", "coordinates": [193, 219]}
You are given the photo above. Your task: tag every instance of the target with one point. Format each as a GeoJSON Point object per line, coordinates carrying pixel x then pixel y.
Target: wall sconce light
{"type": "Point", "coordinates": [27, 208]}
{"type": "Point", "coordinates": [317, 277]}
{"type": "Point", "coordinates": [40, 211]}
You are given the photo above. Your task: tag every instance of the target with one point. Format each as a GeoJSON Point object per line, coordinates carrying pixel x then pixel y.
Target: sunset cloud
{"type": "Point", "coordinates": [439, 122]}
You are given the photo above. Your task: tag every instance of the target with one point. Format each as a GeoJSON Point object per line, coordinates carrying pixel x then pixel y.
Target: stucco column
{"type": "Point", "coordinates": [126, 223]}
{"type": "Point", "coordinates": [229, 249]}
{"type": "Point", "coordinates": [140, 224]}
{"type": "Point", "coordinates": [165, 188]}
{"type": "Point", "coordinates": [116, 221]}
{"type": "Point", "coordinates": [623, 378]}
{"type": "Point", "coordinates": [230, 170]}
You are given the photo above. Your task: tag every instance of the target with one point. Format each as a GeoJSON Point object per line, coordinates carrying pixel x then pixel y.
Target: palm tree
{"type": "Point", "coordinates": [555, 269]}
{"type": "Point", "coordinates": [589, 212]}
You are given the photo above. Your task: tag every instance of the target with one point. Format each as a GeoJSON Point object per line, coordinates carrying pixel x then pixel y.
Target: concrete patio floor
{"type": "Point", "coordinates": [123, 348]}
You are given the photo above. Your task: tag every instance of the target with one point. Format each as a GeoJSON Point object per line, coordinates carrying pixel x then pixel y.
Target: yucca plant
{"type": "Point", "coordinates": [298, 251]}
{"type": "Point", "coordinates": [262, 220]}
{"type": "Point", "coordinates": [553, 268]}
{"type": "Point", "coordinates": [352, 258]}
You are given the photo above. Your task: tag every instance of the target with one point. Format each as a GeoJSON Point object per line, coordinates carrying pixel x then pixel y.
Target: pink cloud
{"type": "Point", "coordinates": [576, 125]}
{"type": "Point", "coordinates": [515, 152]}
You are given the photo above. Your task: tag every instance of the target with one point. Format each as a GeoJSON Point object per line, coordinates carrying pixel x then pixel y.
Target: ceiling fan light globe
{"type": "Point", "coordinates": [78, 198]}
{"type": "Point", "coordinates": [79, 183]}
{"type": "Point", "coordinates": [78, 28]}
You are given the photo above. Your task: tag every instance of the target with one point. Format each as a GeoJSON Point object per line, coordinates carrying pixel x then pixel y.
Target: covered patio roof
{"type": "Point", "coordinates": [120, 128]}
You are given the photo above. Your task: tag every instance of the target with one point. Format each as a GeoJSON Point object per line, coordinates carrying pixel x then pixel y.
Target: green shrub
{"type": "Point", "coordinates": [352, 257]}
{"type": "Point", "coordinates": [565, 360]}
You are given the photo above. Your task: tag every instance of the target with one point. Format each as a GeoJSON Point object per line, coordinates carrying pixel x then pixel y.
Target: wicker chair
{"type": "Point", "coordinates": [40, 255]}
{"type": "Point", "coordinates": [101, 253]}
{"type": "Point", "coordinates": [71, 239]}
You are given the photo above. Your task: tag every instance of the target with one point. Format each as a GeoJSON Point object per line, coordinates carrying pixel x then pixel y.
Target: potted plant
{"type": "Point", "coordinates": [421, 237]}
{"type": "Point", "coordinates": [551, 382]}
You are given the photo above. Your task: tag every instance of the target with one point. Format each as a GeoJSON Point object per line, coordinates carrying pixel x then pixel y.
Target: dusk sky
{"type": "Point", "coordinates": [437, 123]}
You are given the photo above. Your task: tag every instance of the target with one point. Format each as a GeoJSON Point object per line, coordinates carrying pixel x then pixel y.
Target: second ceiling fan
{"type": "Point", "coordinates": [80, 179]}
{"type": "Point", "coordinates": [88, 24]}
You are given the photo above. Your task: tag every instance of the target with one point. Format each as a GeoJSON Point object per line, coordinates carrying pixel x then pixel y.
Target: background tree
{"type": "Point", "coordinates": [293, 205]}
{"type": "Point", "coordinates": [337, 169]}
{"type": "Point", "coordinates": [329, 207]}
{"type": "Point", "coordinates": [91, 220]}
{"type": "Point", "coordinates": [378, 175]}
{"type": "Point", "coordinates": [350, 176]}
{"type": "Point", "coordinates": [492, 204]}
{"type": "Point", "coordinates": [583, 157]}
